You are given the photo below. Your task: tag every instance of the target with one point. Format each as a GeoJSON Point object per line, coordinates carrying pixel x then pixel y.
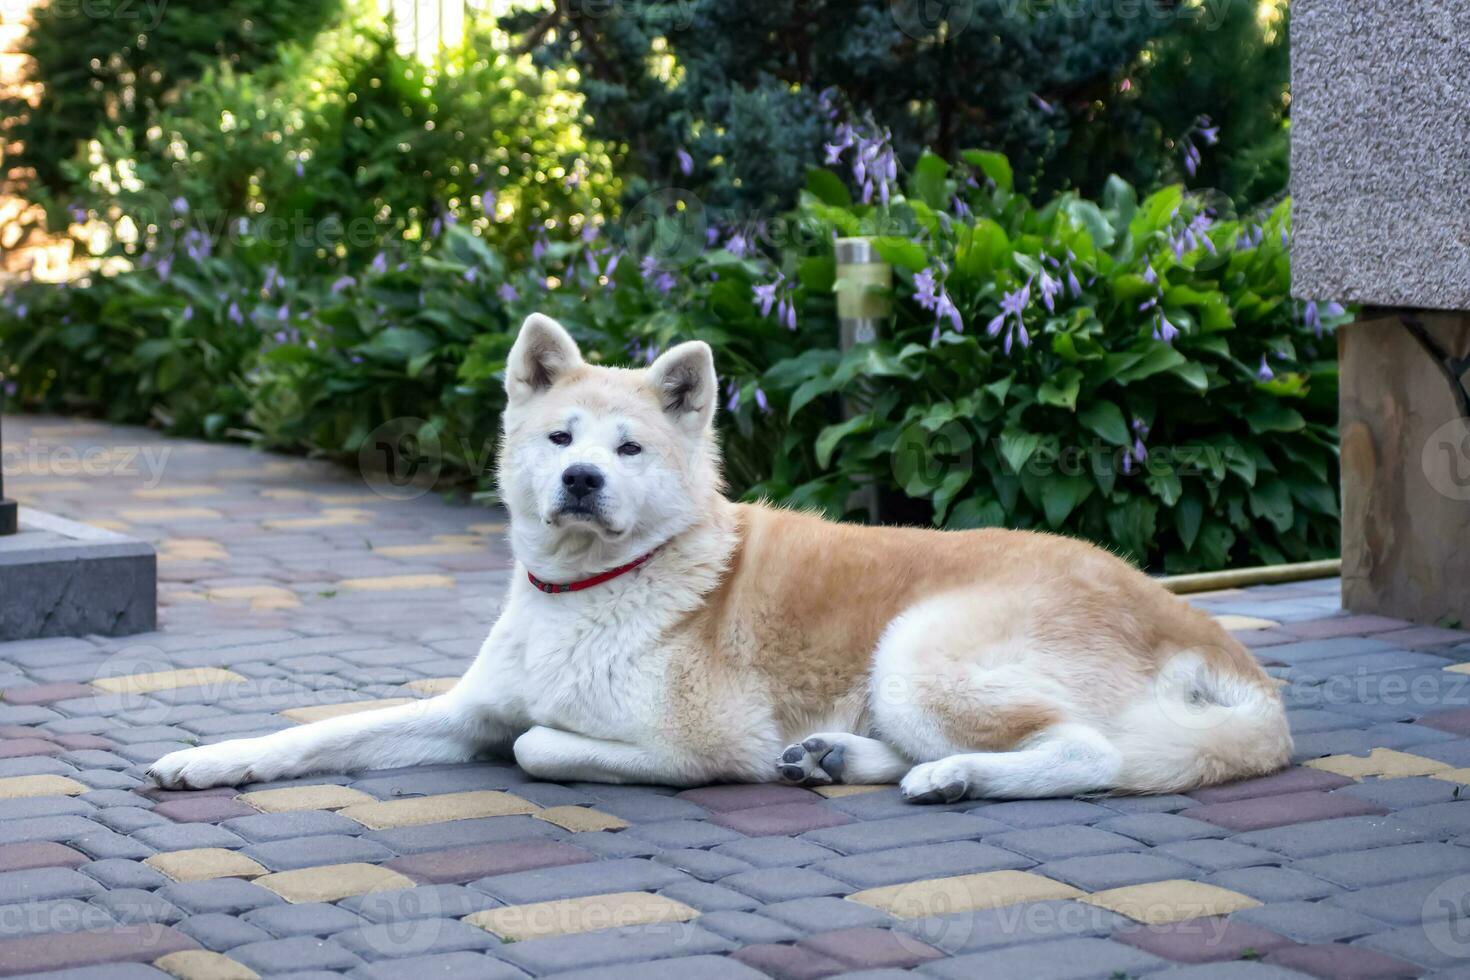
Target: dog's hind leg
{"type": "Point", "coordinates": [1060, 761]}
{"type": "Point", "coordinates": [840, 757]}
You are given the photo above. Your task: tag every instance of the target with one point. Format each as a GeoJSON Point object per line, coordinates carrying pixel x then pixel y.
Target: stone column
{"type": "Point", "coordinates": [1380, 174]}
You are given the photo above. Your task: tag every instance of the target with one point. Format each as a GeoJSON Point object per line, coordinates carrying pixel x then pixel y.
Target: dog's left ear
{"type": "Point", "coordinates": [684, 377]}
{"type": "Point", "coordinates": [543, 352]}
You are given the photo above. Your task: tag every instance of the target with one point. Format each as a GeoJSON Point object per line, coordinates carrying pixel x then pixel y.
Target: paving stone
{"type": "Point", "coordinates": [572, 881]}
{"type": "Point", "coordinates": [39, 884]}
{"type": "Point", "coordinates": [1274, 884]}
{"type": "Point", "coordinates": [1023, 814]}
{"type": "Point", "coordinates": [307, 852]}
{"type": "Point", "coordinates": [1334, 836]}
{"type": "Point", "coordinates": [225, 896]}
{"type": "Point", "coordinates": [704, 865]}
{"type": "Point", "coordinates": [1384, 763]}
{"type": "Point", "coordinates": [907, 863]}
{"type": "Point", "coordinates": [437, 809]}
{"type": "Point", "coordinates": [267, 827]}
{"type": "Point", "coordinates": [38, 854]}
{"type": "Point", "coordinates": [611, 947]}
{"type": "Point", "coordinates": [462, 864]}
{"type": "Point", "coordinates": [580, 819]}
{"type": "Point", "coordinates": [328, 883]}
{"type": "Point", "coordinates": [683, 833]}
{"type": "Point", "coordinates": [204, 810]}
{"type": "Point", "coordinates": [131, 906]}
{"type": "Point", "coordinates": [921, 828]}
{"type": "Point", "coordinates": [303, 919]}
{"type": "Point", "coordinates": [118, 873]}
{"type": "Point", "coordinates": [516, 923]}
{"type": "Point", "coordinates": [48, 828]}
{"type": "Point", "coordinates": [832, 913]}
{"type": "Point", "coordinates": [781, 818]}
{"type": "Point", "coordinates": [1202, 940]}
{"type": "Point", "coordinates": [747, 928]}
{"type": "Point", "coordinates": [1065, 959]}
{"type": "Point", "coordinates": [872, 949]}
{"type": "Point", "coordinates": [417, 937]}
{"type": "Point", "coordinates": [1385, 865]}
{"type": "Point", "coordinates": [17, 787]}
{"type": "Point", "coordinates": [1401, 794]}
{"type": "Point", "coordinates": [423, 902]}
{"type": "Point", "coordinates": [1260, 813]}
{"type": "Point", "coordinates": [293, 798]}
{"type": "Point", "coordinates": [201, 964]}
{"type": "Point", "coordinates": [962, 893]}
{"type": "Point", "coordinates": [1114, 870]}
{"type": "Point", "coordinates": [708, 897]}
{"type": "Point", "coordinates": [617, 845]}
{"type": "Point", "coordinates": [183, 837]}
{"type": "Point", "coordinates": [121, 944]}
{"type": "Point", "coordinates": [1159, 828]}
{"type": "Point", "coordinates": [1340, 962]}
{"type": "Point", "coordinates": [463, 833]}
{"type": "Point", "coordinates": [1313, 922]}
{"type": "Point", "coordinates": [1161, 902]}
{"type": "Point", "coordinates": [789, 962]}
{"type": "Point", "coordinates": [1294, 780]}
{"type": "Point", "coordinates": [444, 966]}
{"type": "Point", "coordinates": [722, 799]}
{"type": "Point", "coordinates": [204, 863]}
{"type": "Point", "coordinates": [299, 953]}
{"type": "Point", "coordinates": [774, 852]}
{"type": "Point", "coordinates": [1435, 946]}
{"type": "Point", "coordinates": [784, 884]}
{"type": "Point", "coordinates": [1047, 844]}
{"type": "Point", "coordinates": [1217, 855]}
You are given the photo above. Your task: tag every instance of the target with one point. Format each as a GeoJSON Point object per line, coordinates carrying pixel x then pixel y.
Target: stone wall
{"type": "Point", "coordinates": [1381, 152]}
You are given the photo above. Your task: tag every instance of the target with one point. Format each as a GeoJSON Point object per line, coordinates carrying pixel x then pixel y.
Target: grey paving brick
{"type": "Point", "coordinates": [615, 845]}
{"type": "Point", "coordinates": [429, 781]}
{"type": "Point", "coordinates": [1385, 865]}
{"type": "Point", "coordinates": [747, 928]}
{"type": "Point", "coordinates": [784, 884]}
{"type": "Point", "coordinates": [704, 865]}
{"type": "Point", "coordinates": [1403, 794]}
{"type": "Point", "coordinates": [134, 905]}
{"type": "Point", "coordinates": [1160, 828]}
{"type": "Point", "coordinates": [54, 916]}
{"type": "Point", "coordinates": [612, 946]}
{"type": "Point", "coordinates": [1160, 803]}
{"type": "Point", "coordinates": [266, 827]}
{"type": "Point", "coordinates": [968, 932]}
{"type": "Point", "coordinates": [462, 833]}
{"type": "Point", "coordinates": [46, 828]}
{"type": "Point", "coordinates": [678, 968]}
{"type": "Point", "coordinates": [441, 966]}
{"type": "Point", "coordinates": [1316, 922]}
{"type": "Point", "coordinates": [569, 881]}
{"type": "Point", "coordinates": [306, 852]}
{"type": "Point", "coordinates": [1023, 814]}
{"type": "Point", "coordinates": [220, 932]}
{"type": "Point", "coordinates": [120, 873]}
{"type": "Point", "coordinates": [1436, 947]}
{"type": "Point", "coordinates": [825, 914]}
{"type": "Point", "coordinates": [40, 884]}
{"type": "Point", "coordinates": [906, 831]}
{"type": "Point", "coordinates": [682, 833]}
{"type": "Point", "coordinates": [1231, 971]}
{"type": "Point", "coordinates": [1115, 870]}
{"type": "Point", "coordinates": [646, 809]}
{"type": "Point", "coordinates": [127, 819]}
{"type": "Point", "coordinates": [1274, 884]}
{"type": "Point", "coordinates": [1217, 855]}
{"type": "Point", "coordinates": [1333, 836]}
{"type": "Point", "coordinates": [1066, 959]}
{"type": "Point", "coordinates": [290, 955]}
{"type": "Point", "coordinates": [901, 864]}
{"type": "Point", "coordinates": [1440, 896]}
{"type": "Point", "coordinates": [414, 937]}
{"type": "Point", "coordinates": [1056, 843]}
{"type": "Point", "coordinates": [223, 895]}
{"type": "Point", "coordinates": [185, 837]}
{"type": "Point", "coordinates": [306, 919]}
{"type": "Point", "coordinates": [709, 898]}
{"type": "Point", "coordinates": [1441, 818]}
{"type": "Point", "coordinates": [423, 902]}
{"type": "Point", "coordinates": [774, 852]}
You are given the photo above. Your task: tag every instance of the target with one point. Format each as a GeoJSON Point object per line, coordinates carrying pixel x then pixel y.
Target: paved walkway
{"type": "Point", "coordinates": [290, 591]}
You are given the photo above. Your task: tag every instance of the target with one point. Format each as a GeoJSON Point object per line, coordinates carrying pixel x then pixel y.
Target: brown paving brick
{"type": "Point", "coordinates": [586, 914]}
{"type": "Point", "coordinates": [46, 693]}
{"type": "Point", "coordinates": [164, 795]}
{"type": "Point", "coordinates": [39, 854]}
{"type": "Point", "coordinates": [48, 784]}
{"type": "Point", "coordinates": [1202, 940]}
{"type": "Point", "coordinates": [1327, 629]}
{"type": "Point", "coordinates": [204, 809]}
{"type": "Point", "coordinates": [1159, 902]}
{"type": "Point", "coordinates": [1261, 812]}
{"type": "Point", "coordinates": [201, 964]}
{"type": "Point", "coordinates": [1424, 636]}
{"type": "Point", "coordinates": [1264, 638]}
{"type": "Point", "coordinates": [461, 864]}
{"type": "Point", "coordinates": [1294, 780]}
{"type": "Point", "coordinates": [725, 798]}
{"type": "Point", "coordinates": [783, 818]}
{"type": "Point", "coordinates": [872, 949]}
{"type": "Point", "coordinates": [1336, 961]}
{"type": "Point", "coordinates": [123, 944]}
{"type": "Point", "coordinates": [13, 748]}
{"type": "Point", "coordinates": [1456, 722]}
{"type": "Point", "coordinates": [81, 741]}
{"type": "Point", "coordinates": [788, 962]}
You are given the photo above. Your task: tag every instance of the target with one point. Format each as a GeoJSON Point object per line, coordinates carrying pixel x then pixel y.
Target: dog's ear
{"type": "Point", "coordinates": [684, 377]}
{"type": "Point", "coordinates": [543, 352]}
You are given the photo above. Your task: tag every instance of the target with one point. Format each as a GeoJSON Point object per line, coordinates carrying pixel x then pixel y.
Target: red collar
{"type": "Point", "coordinates": [551, 588]}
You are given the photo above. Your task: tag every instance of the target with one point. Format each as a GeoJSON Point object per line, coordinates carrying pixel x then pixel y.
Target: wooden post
{"type": "Point", "coordinates": [1406, 465]}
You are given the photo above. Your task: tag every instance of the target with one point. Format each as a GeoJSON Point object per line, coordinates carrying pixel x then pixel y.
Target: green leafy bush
{"type": "Point", "coordinates": [1130, 371]}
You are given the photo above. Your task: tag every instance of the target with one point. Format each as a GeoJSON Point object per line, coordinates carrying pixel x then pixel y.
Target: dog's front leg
{"type": "Point", "coordinates": [558, 756]}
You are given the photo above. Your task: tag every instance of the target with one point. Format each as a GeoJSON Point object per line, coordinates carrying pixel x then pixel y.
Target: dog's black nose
{"type": "Point", "coordinates": [582, 480]}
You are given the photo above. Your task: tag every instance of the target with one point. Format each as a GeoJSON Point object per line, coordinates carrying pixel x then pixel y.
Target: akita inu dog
{"type": "Point", "coordinates": [656, 633]}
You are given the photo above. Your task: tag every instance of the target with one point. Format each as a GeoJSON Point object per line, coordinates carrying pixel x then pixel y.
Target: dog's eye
{"type": "Point", "coordinates": [561, 438]}
{"type": "Point", "coordinates": [629, 449]}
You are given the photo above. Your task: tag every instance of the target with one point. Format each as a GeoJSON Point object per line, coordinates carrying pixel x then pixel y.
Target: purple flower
{"type": "Point", "coordinates": [737, 245]}
{"type": "Point", "coordinates": [342, 283]}
{"type": "Point", "coordinates": [761, 402]}
{"type": "Point", "coordinates": [1042, 104]}
{"type": "Point", "coordinates": [959, 207]}
{"type": "Point", "coordinates": [1312, 317]}
{"type": "Point", "coordinates": [926, 290]}
{"type": "Point", "coordinates": [1149, 275]}
{"type": "Point", "coordinates": [732, 396]}
{"type": "Point", "coordinates": [665, 282]}
{"type": "Point", "coordinates": [188, 312]}
{"type": "Point", "coordinates": [765, 296]}
{"type": "Point", "coordinates": [21, 310]}
{"type": "Point", "coordinates": [471, 275]}
{"type": "Point", "coordinates": [300, 168]}
{"type": "Point", "coordinates": [1264, 373]}
{"type": "Point", "coordinates": [538, 249]}
{"type": "Point", "coordinates": [686, 162]}
{"type": "Point", "coordinates": [180, 206]}
{"type": "Point", "coordinates": [507, 293]}
{"type": "Point", "coordinates": [1164, 330]}
{"type": "Point", "coordinates": [834, 154]}
{"type": "Point", "coordinates": [234, 313]}
{"type": "Point", "coordinates": [947, 310]}
{"type": "Point", "coordinates": [1011, 317]}
{"type": "Point", "coordinates": [379, 264]}
{"type": "Point", "coordinates": [1072, 284]}
{"type": "Point", "coordinates": [165, 267]}
{"type": "Point", "coordinates": [786, 313]}
{"type": "Point", "coordinates": [1049, 289]}
{"type": "Point", "coordinates": [283, 313]}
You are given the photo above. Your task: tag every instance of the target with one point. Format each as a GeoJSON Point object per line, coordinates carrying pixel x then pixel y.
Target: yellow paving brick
{"type": "Point", "coordinates": [1383, 763]}
{"type": "Point", "coordinates": [963, 893]}
{"type": "Point", "coordinates": [329, 517]}
{"type": "Point", "coordinates": [292, 798]}
{"type": "Point", "coordinates": [1161, 902]}
{"type": "Point", "coordinates": [1239, 623]}
{"type": "Point", "coordinates": [146, 514]}
{"type": "Point", "coordinates": [1459, 668]}
{"type": "Point", "coordinates": [838, 790]}
{"type": "Point", "coordinates": [201, 964]}
{"type": "Point", "coordinates": [107, 524]}
{"type": "Point", "coordinates": [32, 488]}
{"type": "Point", "coordinates": [319, 712]}
{"type": "Point", "coordinates": [333, 882]}
{"type": "Point", "coordinates": [495, 528]}
{"type": "Point", "coordinates": [432, 685]}
{"type": "Point", "coordinates": [191, 549]}
{"type": "Point", "coordinates": [1461, 776]}
{"type": "Point", "coordinates": [175, 493]}
{"type": "Point", "coordinates": [167, 680]}
{"type": "Point", "coordinates": [421, 810]}
{"type": "Point", "coordinates": [580, 818]}
{"type": "Point", "coordinates": [264, 468]}
{"type": "Point", "coordinates": [398, 583]}
{"type": "Point", "coordinates": [570, 915]}
{"type": "Point", "coordinates": [15, 787]}
{"type": "Point", "coordinates": [259, 596]}
{"type": "Point", "coordinates": [203, 863]}
{"type": "Point", "coordinates": [427, 550]}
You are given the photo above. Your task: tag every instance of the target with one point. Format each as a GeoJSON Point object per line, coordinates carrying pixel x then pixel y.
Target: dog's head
{"type": "Point", "coordinates": [604, 462]}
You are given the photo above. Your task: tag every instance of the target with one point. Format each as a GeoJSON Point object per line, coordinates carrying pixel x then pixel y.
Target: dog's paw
{"type": "Point", "coordinates": [815, 761]}
{"type": "Point", "coordinates": [222, 764]}
{"type": "Point", "coordinates": [937, 782]}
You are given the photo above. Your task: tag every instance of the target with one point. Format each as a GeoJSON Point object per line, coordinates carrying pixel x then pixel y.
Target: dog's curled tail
{"type": "Point", "coordinates": [1202, 723]}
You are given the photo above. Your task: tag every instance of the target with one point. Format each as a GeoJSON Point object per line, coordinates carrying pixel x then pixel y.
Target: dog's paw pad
{"type": "Point", "coordinates": [812, 762]}
{"type": "Point", "coordinates": [935, 782]}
